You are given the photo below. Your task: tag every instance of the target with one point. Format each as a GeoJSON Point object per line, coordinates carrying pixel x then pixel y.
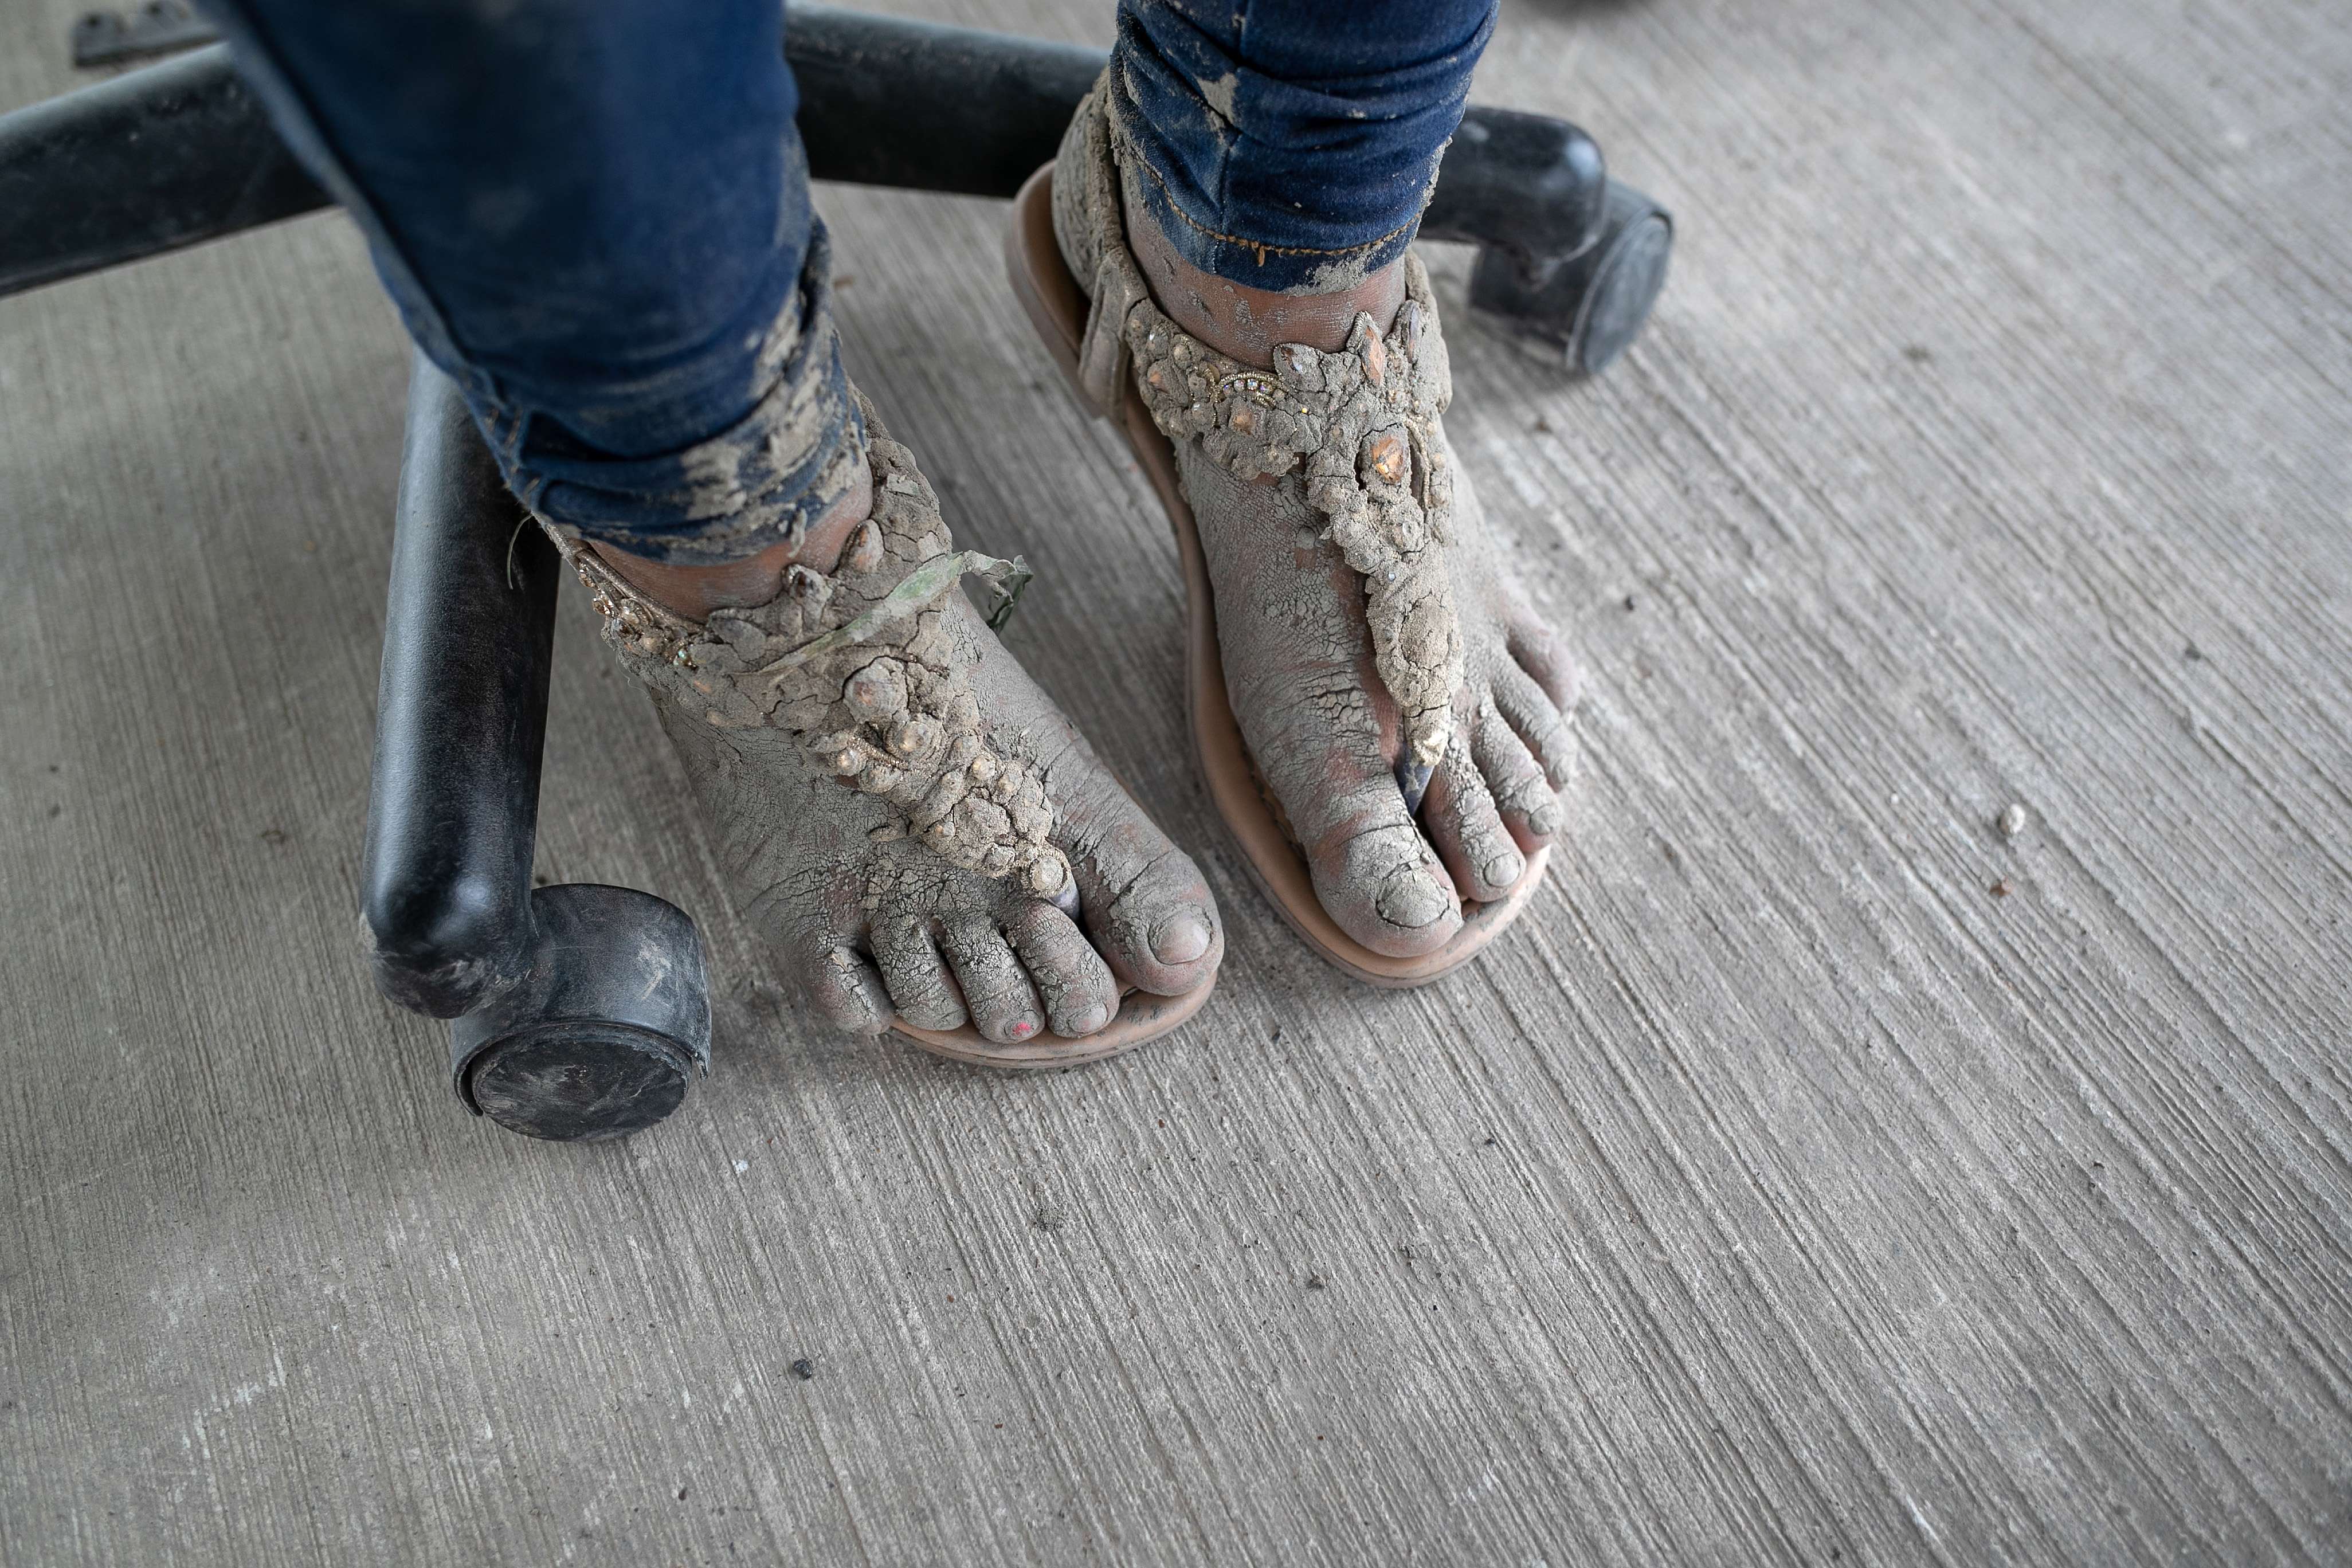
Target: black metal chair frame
{"type": "Point", "coordinates": [579, 1011]}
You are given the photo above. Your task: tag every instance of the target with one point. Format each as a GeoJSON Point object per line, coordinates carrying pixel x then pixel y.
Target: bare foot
{"type": "Point", "coordinates": [1325, 734]}
{"type": "Point", "coordinates": [905, 815]}
{"type": "Point", "coordinates": [1366, 651]}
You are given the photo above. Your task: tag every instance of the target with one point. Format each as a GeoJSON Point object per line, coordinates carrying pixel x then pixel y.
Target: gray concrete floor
{"type": "Point", "coordinates": [1776, 1192]}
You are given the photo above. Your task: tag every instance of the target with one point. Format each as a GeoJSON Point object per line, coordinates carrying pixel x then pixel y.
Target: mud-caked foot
{"type": "Point", "coordinates": [1405, 710]}
{"type": "Point", "coordinates": [907, 818]}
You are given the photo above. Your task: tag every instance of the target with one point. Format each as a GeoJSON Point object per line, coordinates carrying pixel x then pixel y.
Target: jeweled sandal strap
{"type": "Point", "coordinates": [1361, 423]}
{"type": "Point", "coordinates": [1360, 428]}
{"type": "Point", "coordinates": [867, 670]}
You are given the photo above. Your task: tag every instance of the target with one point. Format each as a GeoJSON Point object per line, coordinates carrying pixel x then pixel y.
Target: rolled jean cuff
{"type": "Point", "coordinates": [758, 483]}
{"type": "Point", "coordinates": [1268, 169]}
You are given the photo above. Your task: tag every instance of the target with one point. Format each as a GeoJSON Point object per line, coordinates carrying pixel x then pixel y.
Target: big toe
{"type": "Point", "coordinates": [1385, 887]}
{"type": "Point", "coordinates": [1144, 901]}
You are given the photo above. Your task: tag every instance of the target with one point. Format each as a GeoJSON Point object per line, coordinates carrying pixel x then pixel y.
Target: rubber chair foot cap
{"type": "Point", "coordinates": [577, 1083]}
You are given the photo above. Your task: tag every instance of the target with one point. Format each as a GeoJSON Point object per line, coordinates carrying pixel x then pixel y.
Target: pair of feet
{"type": "Point", "coordinates": [877, 925]}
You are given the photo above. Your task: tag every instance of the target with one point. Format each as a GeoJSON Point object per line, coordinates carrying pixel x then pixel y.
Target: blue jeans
{"type": "Point", "coordinates": [1291, 145]}
{"type": "Point", "coordinates": [594, 214]}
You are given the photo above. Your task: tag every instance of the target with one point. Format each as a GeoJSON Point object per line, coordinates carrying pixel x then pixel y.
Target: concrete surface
{"type": "Point", "coordinates": [1815, 1176]}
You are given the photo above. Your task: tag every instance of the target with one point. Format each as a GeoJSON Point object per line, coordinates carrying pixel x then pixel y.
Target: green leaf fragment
{"type": "Point", "coordinates": [914, 593]}
{"type": "Point", "coordinates": [1006, 589]}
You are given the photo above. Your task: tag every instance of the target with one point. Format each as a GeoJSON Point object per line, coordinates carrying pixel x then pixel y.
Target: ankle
{"type": "Point", "coordinates": [1246, 323]}
{"type": "Point", "coordinates": [694, 590]}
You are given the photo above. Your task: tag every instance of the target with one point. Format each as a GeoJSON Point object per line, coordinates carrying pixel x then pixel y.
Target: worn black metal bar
{"type": "Point", "coordinates": [182, 152]}
{"type": "Point", "coordinates": [157, 27]}
{"type": "Point", "coordinates": [1528, 185]}
{"type": "Point", "coordinates": [916, 105]}
{"type": "Point", "coordinates": [1592, 304]}
{"type": "Point", "coordinates": [154, 160]}
{"type": "Point", "coordinates": [461, 712]}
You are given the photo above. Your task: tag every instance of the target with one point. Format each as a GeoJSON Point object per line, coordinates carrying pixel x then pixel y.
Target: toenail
{"type": "Point", "coordinates": [1179, 939]}
{"type": "Point", "coordinates": [1093, 1018]}
{"type": "Point", "coordinates": [1022, 1029]}
{"type": "Point", "coordinates": [1501, 871]}
{"type": "Point", "coordinates": [1411, 899]}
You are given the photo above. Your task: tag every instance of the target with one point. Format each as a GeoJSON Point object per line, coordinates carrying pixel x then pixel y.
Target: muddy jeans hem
{"type": "Point", "coordinates": [756, 484]}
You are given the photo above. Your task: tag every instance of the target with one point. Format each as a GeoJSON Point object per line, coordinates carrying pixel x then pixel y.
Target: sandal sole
{"type": "Point", "coordinates": [1141, 1019]}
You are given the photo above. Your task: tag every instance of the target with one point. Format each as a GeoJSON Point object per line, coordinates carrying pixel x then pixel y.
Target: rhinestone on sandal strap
{"type": "Point", "coordinates": [867, 670]}
{"type": "Point", "coordinates": [1363, 425]}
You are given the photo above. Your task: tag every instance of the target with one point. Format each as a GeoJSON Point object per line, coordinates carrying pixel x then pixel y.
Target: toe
{"type": "Point", "coordinates": [1327, 748]}
{"type": "Point", "coordinates": [1523, 795]}
{"type": "Point", "coordinates": [1142, 900]}
{"type": "Point", "coordinates": [1545, 730]}
{"type": "Point", "coordinates": [996, 989]}
{"type": "Point", "coordinates": [1379, 879]}
{"type": "Point", "coordinates": [1543, 654]}
{"type": "Point", "coordinates": [1461, 819]}
{"type": "Point", "coordinates": [1069, 976]}
{"type": "Point", "coordinates": [845, 990]}
{"type": "Point", "coordinates": [914, 975]}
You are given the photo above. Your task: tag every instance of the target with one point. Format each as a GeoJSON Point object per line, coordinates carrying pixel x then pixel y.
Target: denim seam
{"type": "Point", "coordinates": [1225, 144]}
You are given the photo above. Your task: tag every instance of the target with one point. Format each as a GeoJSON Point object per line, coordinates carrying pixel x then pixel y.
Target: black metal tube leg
{"type": "Point", "coordinates": [461, 712]}
{"type": "Point", "coordinates": [579, 1011]}
{"type": "Point", "coordinates": [1526, 186]}
{"type": "Point", "coordinates": [1592, 304]}
{"type": "Point", "coordinates": [152, 161]}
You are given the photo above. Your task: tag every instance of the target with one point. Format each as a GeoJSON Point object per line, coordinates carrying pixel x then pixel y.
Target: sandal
{"type": "Point", "coordinates": [1356, 428]}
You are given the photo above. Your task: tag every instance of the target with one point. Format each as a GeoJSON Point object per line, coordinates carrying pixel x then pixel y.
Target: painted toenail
{"type": "Point", "coordinates": [1093, 1018]}
{"type": "Point", "coordinates": [1023, 1029]}
{"type": "Point", "coordinates": [1179, 939]}
{"type": "Point", "coordinates": [1411, 899]}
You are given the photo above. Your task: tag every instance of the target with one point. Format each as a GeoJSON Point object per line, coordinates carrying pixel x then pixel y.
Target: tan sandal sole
{"type": "Point", "coordinates": [1141, 1018]}
{"type": "Point", "coordinates": [1057, 308]}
